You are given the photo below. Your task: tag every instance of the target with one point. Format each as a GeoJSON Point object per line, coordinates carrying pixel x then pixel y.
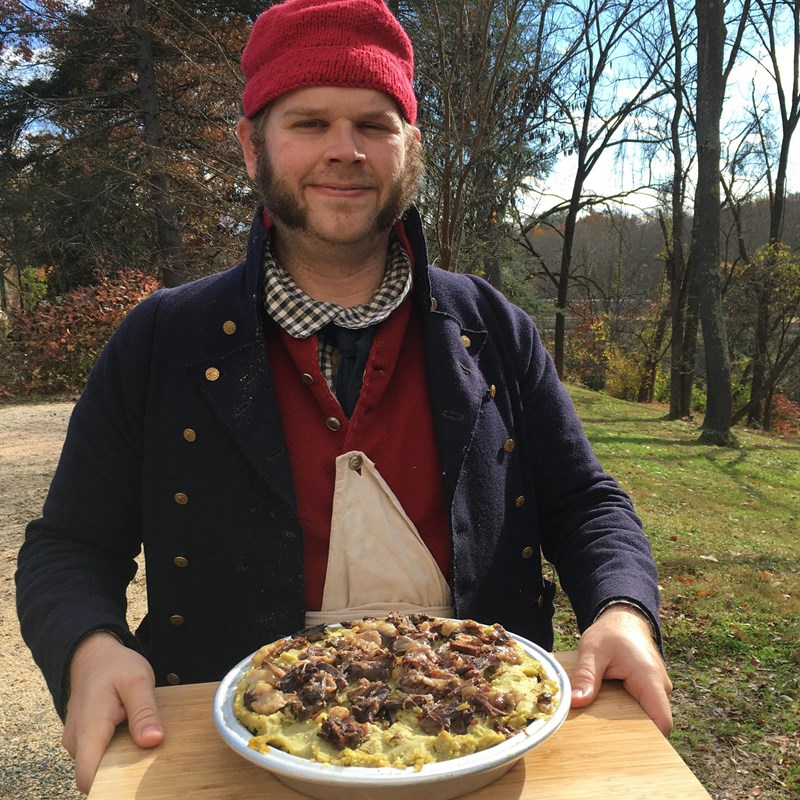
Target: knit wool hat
{"type": "Point", "coordinates": [352, 43]}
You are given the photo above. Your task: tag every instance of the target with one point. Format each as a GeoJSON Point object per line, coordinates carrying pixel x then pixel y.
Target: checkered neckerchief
{"type": "Point", "coordinates": [301, 316]}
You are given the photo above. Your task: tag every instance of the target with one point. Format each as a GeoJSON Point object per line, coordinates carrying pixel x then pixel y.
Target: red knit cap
{"type": "Point", "coordinates": [354, 43]}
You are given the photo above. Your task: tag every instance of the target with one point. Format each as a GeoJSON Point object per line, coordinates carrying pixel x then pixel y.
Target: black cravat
{"type": "Point", "coordinates": [353, 346]}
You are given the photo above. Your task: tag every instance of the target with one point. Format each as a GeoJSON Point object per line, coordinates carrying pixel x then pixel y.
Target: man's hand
{"type": "Point", "coordinates": [108, 684]}
{"type": "Point", "coordinates": [619, 646]}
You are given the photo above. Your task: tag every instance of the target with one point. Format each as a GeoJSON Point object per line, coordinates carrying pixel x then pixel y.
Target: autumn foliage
{"type": "Point", "coordinates": [51, 348]}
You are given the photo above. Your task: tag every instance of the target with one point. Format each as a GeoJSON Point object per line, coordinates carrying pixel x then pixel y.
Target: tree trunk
{"type": "Point", "coordinates": [688, 351]}
{"type": "Point", "coordinates": [679, 271]}
{"type": "Point", "coordinates": [560, 334]}
{"type": "Point", "coordinates": [679, 298]}
{"type": "Point", "coordinates": [173, 269]}
{"type": "Point", "coordinates": [647, 387]}
{"type": "Point", "coordinates": [756, 409]}
{"type": "Point", "coordinates": [706, 230]}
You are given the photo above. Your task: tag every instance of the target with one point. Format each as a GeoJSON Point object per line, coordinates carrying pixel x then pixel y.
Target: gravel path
{"type": "Point", "coordinates": [33, 765]}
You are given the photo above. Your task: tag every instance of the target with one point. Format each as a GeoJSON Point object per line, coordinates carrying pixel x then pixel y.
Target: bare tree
{"type": "Point", "coordinates": [768, 20]}
{"type": "Point", "coordinates": [600, 111]}
{"type": "Point", "coordinates": [712, 76]}
{"type": "Point", "coordinates": [482, 77]}
{"type": "Point", "coordinates": [678, 78]}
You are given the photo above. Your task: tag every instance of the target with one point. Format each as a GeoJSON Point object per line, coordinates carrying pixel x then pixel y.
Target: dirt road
{"type": "Point", "coordinates": [33, 766]}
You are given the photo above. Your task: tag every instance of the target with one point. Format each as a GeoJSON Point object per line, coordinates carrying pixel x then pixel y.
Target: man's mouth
{"type": "Point", "coordinates": [341, 190]}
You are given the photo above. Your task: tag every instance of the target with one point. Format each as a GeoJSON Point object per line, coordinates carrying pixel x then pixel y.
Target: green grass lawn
{"type": "Point", "coordinates": [724, 525]}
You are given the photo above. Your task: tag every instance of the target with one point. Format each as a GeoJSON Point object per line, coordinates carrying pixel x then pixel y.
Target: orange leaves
{"type": "Point", "coordinates": [52, 347]}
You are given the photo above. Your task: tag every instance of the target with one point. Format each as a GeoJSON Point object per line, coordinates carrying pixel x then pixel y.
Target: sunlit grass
{"type": "Point", "coordinates": [724, 525]}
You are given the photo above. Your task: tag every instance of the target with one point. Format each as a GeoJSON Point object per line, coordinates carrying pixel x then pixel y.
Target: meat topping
{"type": "Point", "coordinates": [361, 675]}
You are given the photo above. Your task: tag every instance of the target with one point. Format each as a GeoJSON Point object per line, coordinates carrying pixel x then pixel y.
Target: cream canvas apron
{"type": "Point", "coordinates": [377, 561]}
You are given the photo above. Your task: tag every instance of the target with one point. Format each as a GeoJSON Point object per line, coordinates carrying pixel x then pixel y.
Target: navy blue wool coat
{"type": "Point", "coordinates": [176, 445]}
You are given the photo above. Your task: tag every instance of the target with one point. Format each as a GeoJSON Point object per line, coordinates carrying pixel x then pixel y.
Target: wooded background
{"type": "Point", "coordinates": [121, 172]}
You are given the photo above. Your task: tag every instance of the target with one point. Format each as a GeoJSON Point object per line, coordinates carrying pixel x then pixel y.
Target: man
{"type": "Point", "coordinates": [332, 429]}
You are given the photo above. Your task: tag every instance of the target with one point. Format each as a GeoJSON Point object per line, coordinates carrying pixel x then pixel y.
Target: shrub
{"type": "Point", "coordinates": [623, 377]}
{"type": "Point", "coordinates": [587, 350]}
{"type": "Point", "coordinates": [785, 416]}
{"type": "Point", "coordinates": [51, 349]}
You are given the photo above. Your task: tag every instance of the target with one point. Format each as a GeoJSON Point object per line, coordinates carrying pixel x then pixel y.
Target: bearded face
{"type": "Point", "coordinates": [285, 203]}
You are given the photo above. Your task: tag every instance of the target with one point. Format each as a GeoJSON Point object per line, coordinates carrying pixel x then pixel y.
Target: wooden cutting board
{"type": "Point", "coordinates": [607, 750]}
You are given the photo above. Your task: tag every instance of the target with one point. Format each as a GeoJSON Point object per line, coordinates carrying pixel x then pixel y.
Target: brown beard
{"type": "Point", "coordinates": [284, 207]}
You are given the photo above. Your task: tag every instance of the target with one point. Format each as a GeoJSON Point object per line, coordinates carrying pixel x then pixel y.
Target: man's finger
{"type": "Point", "coordinates": [90, 744]}
{"type": "Point", "coordinates": [653, 696]}
{"type": "Point", "coordinates": [144, 721]}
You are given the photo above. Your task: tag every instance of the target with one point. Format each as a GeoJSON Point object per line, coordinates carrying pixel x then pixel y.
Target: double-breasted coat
{"type": "Point", "coordinates": [176, 445]}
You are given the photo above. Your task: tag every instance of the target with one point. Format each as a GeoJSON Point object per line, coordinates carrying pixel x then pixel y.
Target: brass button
{"type": "Point", "coordinates": [173, 679]}
{"type": "Point", "coordinates": [189, 435]}
{"type": "Point", "coordinates": [355, 462]}
{"type": "Point", "coordinates": [540, 600]}
{"type": "Point", "coordinates": [333, 424]}
{"type": "Point", "coordinates": [307, 379]}
{"type": "Point", "coordinates": [212, 374]}
{"type": "Point", "coordinates": [527, 552]}
{"type": "Point", "coordinates": [509, 445]}
{"type": "Point", "coordinates": [434, 304]}
{"type": "Point", "coordinates": [229, 327]}
{"type": "Point", "coordinates": [176, 619]}
{"type": "Point", "coordinates": [520, 501]}
{"type": "Point", "coordinates": [180, 561]}
{"type": "Point", "coordinates": [181, 498]}
{"type": "Point", "coordinates": [492, 390]}
{"type": "Point", "coordinates": [466, 341]}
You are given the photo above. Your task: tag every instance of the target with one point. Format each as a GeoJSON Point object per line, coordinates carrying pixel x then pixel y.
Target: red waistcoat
{"type": "Point", "coordinates": [391, 424]}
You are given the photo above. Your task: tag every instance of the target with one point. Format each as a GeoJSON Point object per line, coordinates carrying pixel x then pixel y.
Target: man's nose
{"type": "Point", "coordinates": [343, 144]}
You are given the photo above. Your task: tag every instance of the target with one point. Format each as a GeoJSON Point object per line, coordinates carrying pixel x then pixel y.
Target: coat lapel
{"type": "Point", "coordinates": [457, 391]}
{"type": "Point", "coordinates": [239, 389]}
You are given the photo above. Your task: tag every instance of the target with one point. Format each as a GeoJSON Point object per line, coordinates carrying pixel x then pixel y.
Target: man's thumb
{"type": "Point", "coordinates": [144, 722]}
{"type": "Point", "coordinates": [585, 682]}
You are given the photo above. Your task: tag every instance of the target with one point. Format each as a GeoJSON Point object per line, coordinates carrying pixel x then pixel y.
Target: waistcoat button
{"type": "Point", "coordinates": [307, 379]}
{"type": "Point", "coordinates": [173, 679]}
{"type": "Point", "coordinates": [212, 374]}
{"type": "Point", "coordinates": [229, 327]}
{"type": "Point", "coordinates": [180, 561]}
{"type": "Point", "coordinates": [189, 435]}
{"type": "Point", "coordinates": [527, 552]}
{"type": "Point", "coordinates": [520, 501]}
{"type": "Point", "coordinates": [466, 341]}
{"type": "Point", "coordinates": [176, 619]}
{"type": "Point", "coordinates": [355, 462]}
{"type": "Point", "coordinates": [509, 445]}
{"type": "Point", "coordinates": [181, 498]}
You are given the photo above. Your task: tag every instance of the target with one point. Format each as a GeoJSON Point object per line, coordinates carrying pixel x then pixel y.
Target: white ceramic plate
{"type": "Point", "coordinates": [439, 781]}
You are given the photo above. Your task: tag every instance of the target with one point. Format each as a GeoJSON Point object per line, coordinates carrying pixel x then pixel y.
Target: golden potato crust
{"type": "Point", "coordinates": [400, 691]}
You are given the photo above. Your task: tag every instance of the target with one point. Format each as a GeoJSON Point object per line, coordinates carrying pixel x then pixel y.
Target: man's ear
{"type": "Point", "coordinates": [245, 129]}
